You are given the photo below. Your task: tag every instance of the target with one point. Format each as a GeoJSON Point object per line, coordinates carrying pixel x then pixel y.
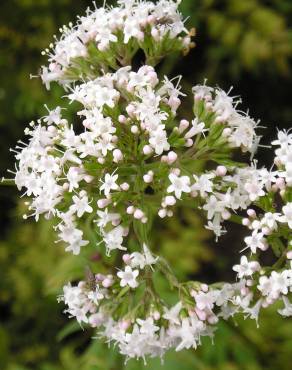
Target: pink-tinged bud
{"type": "Point", "coordinates": [88, 179]}
{"type": "Point", "coordinates": [135, 129]}
{"type": "Point", "coordinates": [289, 255]}
{"type": "Point", "coordinates": [153, 77]}
{"type": "Point", "coordinates": [226, 215]}
{"type": "Point", "coordinates": [125, 186]}
{"type": "Point", "coordinates": [124, 325]}
{"type": "Point", "coordinates": [189, 143]}
{"type": "Point", "coordinates": [99, 277]}
{"type": "Point", "coordinates": [245, 222]}
{"type": "Point", "coordinates": [265, 246]}
{"type": "Point", "coordinates": [162, 213]}
{"type": "Point", "coordinates": [169, 213]}
{"type": "Point", "coordinates": [130, 109]}
{"type": "Point", "coordinates": [147, 178]}
{"type": "Point", "coordinates": [156, 315]}
{"type": "Point", "coordinates": [106, 283]}
{"type": "Point", "coordinates": [138, 214]}
{"type": "Point", "coordinates": [183, 125]}
{"type": "Point", "coordinates": [174, 102]}
{"type": "Point", "coordinates": [65, 186]}
{"type": "Point", "coordinates": [172, 157]}
{"type": "Point", "coordinates": [219, 119]}
{"type": "Point", "coordinates": [118, 155]}
{"type": "Point", "coordinates": [170, 200]}
{"type": "Point", "coordinates": [256, 224]}
{"type": "Point", "coordinates": [116, 222]}
{"type": "Point", "coordinates": [221, 171]}
{"type": "Point", "coordinates": [244, 291]}
{"type": "Point", "coordinates": [101, 160]}
{"type": "Point", "coordinates": [209, 106]}
{"type": "Point", "coordinates": [164, 159]}
{"type": "Point", "coordinates": [144, 220]}
{"type": "Point", "coordinates": [176, 171]}
{"type": "Point", "coordinates": [251, 213]}
{"type": "Point", "coordinates": [277, 162]}
{"type": "Point", "coordinates": [280, 182]}
{"type": "Point", "coordinates": [125, 231]}
{"type": "Point", "coordinates": [249, 282]}
{"type": "Point", "coordinates": [150, 19]}
{"type": "Point", "coordinates": [155, 34]}
{"type": "Point", "coordinates": [140, 36]}
{"type": "Point", "coordinates": [186, 41]}
{"type": "Point", "coordinates": [204, 288]}
{"type": "Point", "coordinates": [126, 259]}
{"type": "Point", "coordinates": [147, 150]}
{"type": "Point", "coordinates": [130, 88]}
{"type": "Point", "coordinates": [130, 210]}
{"type": "Point", "coordinates": [122, 119]}
{"type": "Point", "coordinates": [102, 203]}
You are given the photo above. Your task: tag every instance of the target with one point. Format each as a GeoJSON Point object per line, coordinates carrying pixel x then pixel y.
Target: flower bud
{"type": "Point", "coordinates": [138, 214]}
{"type": "Point", "coordinates": [147, 150]}
{"type": "Point", "coordinates": [221, 171]}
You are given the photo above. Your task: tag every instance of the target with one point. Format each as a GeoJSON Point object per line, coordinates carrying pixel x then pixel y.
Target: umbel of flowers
{"type": "Point", "coordinates": [130, 160]}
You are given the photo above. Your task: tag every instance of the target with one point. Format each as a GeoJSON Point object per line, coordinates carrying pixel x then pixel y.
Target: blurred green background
{"type": "Point", "coordinates": [246, 44]}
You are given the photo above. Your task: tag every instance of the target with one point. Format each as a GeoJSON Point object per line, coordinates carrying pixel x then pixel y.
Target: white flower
{"type": "Point", "coordinates": [128, 277]}
{"type": "Point", "coordinates": [147, 326]}
{"type": "Point", "coordinates": [158, 141]}
{"type": "Point", "coordinates": [141, 260]}
{"type": "Point", "coordinates": [172, 314]}
{"type": "Point", "coordinates": [246, 268]}
{"type": "Point", "coordinates": [254, 189]}
{"type": "Point", "coordinates": [81, 205]}
{"type": "Point", "coordinates": [197, 128]}
{"type": "Point", "coordinates": [179, 185]}
{"type": "Point", "coordinates": [205, 300]}
{"type": "Point", "coordinates": [95, 296]}
{"type": "Point", "coordinates": [287, 214]}
{"type": "Point", "coordinates": [114, 239]}
{"type": "Point", "coordinates": [274, 285]}
{"type": "Point", "coordinates": [203, 184]}
{"type": "Point", "coordinates": [256, 240]}
{"type": "Point", "coordinates": [287, 310]}
{"type": "Point", "coordinates": [109, 183]}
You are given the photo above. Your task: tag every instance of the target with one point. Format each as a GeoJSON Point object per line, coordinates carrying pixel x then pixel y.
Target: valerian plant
{"type": "Point", "coordinates": [128, 159]}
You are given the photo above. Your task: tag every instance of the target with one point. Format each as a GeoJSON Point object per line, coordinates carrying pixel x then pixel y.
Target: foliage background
{"type": "Point", "coordinates": [245, 44]}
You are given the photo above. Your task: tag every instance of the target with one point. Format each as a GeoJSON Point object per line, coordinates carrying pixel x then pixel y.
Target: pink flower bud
{"type": "Point", "coordinates": [172, 157]}
{"type": "Point", "coordinates": [102, 203]}
{"type": "Point", "coordinates": [221, 171]}
{"type": "Point", "coordinates": [118, 155]}
{"type": "Point", "coordinates": [138, 214]}
{"type": "Point", "coordinates": [135, 129]}
{"type": "Point", "coordinates": [251, 212]}
{"type": "Point", "coordinates": [147, 150]}
{"type": "Point", "coordinates": [122, 119]}
{"type": "Point", "coordinates": [126, 259]}
{"type": "Point", "coordinates": [170, 200]}
{"type": "Point", "coordinates": [130, 210]}
{"type": "Point", "coordinates": [162, 213]}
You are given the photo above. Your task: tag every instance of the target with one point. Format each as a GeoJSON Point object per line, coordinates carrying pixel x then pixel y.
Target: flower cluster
{"type": "Point", "coordinates": [129, 159]}
{"type": "Point", "coordinates": [109, 37]}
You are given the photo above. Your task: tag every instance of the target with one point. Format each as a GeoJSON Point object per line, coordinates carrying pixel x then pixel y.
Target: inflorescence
{"type": "Point", "coordinates": [131, 160]}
